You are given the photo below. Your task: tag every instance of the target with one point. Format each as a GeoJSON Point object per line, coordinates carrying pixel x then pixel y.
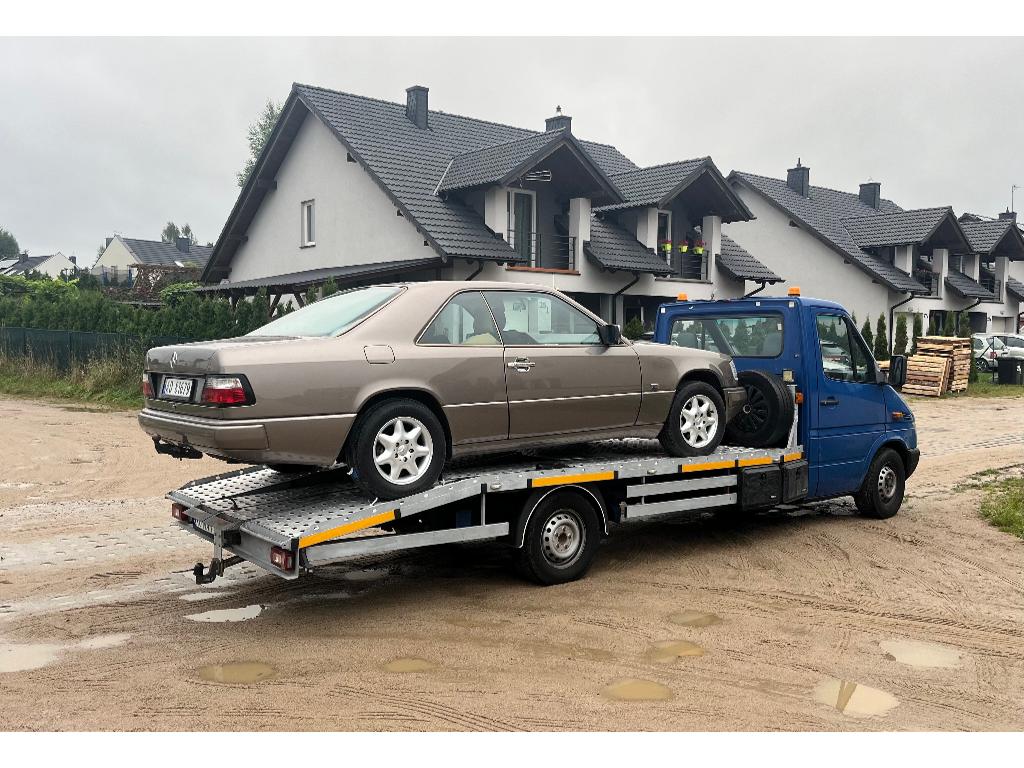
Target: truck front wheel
{"type": "Point", "coordinates": [881, 495]}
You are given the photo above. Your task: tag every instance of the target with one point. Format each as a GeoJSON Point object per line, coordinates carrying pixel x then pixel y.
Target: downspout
{"type": "Point", "coordinates": [966, 309]}
{"type": "Point", "coordinates": [479, 269]}
{"type": "Point", "coordinates": [764, 285]}
{"type": "Point", "coordinates": [622, 290]}
{"type": "Point", "coordinates": [892, 313]}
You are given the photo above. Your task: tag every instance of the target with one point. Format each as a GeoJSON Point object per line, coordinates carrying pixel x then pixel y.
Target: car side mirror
{"type": "Point", "coordinates": [897, 371]}
{"type": "Point", "coordinates": [610, 335]}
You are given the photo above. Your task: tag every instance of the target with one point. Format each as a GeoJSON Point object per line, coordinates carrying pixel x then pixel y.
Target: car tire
{"type": "Point", "coordinates": [683, 435]}
{"type": "Point", "coordinates": [397, 448]}
{"type": "Point", "coordinates": [560, 540]}
{"type": "Point", "coordinates": [767, 415]}
{"type": "Point", "coordinates": [881, 495]}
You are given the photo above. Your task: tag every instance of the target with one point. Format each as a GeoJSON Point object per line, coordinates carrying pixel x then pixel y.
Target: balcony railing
{"type": "Point", "coordinates": [543, 251]}
{"type": "Point", "coordinates": [929, 280]}
{"type": "Point", "coordinates": [688, 266]}
{"type": "Point", "coordinates": [988, 280]}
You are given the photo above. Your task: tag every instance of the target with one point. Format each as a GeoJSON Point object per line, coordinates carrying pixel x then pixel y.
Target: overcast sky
{"type": "Point", "coordinates": [99, 136]}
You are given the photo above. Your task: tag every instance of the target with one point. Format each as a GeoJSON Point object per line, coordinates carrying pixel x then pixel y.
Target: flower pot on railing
{"type": "Point", "coordinates": [665, 247]}
{"type": "Point", "coordinates": [698, 247]}
{"type": "Point", "coordinates": [684, 247]}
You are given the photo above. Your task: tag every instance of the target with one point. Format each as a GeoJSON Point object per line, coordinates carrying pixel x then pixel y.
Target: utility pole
{"type": "Point", "coordinates": [1013, 188]}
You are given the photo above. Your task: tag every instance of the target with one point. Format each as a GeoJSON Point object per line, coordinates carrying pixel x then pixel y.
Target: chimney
{"type": "Point", "coordinates": [109, 241]}
{"type": "Point", "coordinates": [182, 244]}
{"type": "Point", "coordinates": [416, 105]}
{"type": "Point", "coordinates": [1008, 215]}
{"type": "Point", "coordinates": [559, 121]}
{"type": "Point", "coordinates": [73, 260]}
{"type": "Point", "coordinates": [23, 257]}
{"type": "Point", "coordinates": [871, 194]}
{"type": "Point", "coordinates": [799, 179]}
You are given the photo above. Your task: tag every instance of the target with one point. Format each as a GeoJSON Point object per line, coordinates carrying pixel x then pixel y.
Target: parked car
{"type": "Point", "coordinates": [392, 380]}
{"type": "Point", "coordinates": [986, 350]}
{"type": "Point", "coordinates": [1013, 344]}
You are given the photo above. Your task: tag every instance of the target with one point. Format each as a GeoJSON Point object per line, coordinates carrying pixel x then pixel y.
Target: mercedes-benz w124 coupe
{"type": "Point", "coordinates": [394, 380]}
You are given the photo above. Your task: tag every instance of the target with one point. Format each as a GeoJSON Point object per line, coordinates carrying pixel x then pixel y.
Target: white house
{"type": "Point", "coordinates": [55, 265]}
{"type": "Point", "coordinates": [123, 255]}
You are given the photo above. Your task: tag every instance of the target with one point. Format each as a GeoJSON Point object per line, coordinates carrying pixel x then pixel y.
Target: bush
{"type": "Point", "coordinates": [918, 323]}
{"type": "Point", "coordinates": [949, 326]}
{"type": "Point", "coordinates": [869, 338]}
{"type": "Point", "coordinates": [633, 329]}
{"type": "Point", "coordinates": [899, 346]}
{"type": "Point", "coordinates": [881, 340]}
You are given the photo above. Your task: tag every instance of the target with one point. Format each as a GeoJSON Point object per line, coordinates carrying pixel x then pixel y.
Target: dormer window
{"type": "Point", "coordinates": [308, 223]}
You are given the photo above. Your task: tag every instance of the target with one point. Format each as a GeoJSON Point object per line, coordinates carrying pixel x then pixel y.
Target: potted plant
{"type": "Point", "coordinates": [698, 247]}
{"type": "Point", "coordinates": [684, 246]}
{"type": "Point", "coordinates": [665, 247]}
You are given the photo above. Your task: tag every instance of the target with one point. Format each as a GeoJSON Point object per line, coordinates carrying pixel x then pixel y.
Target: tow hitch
{"type": "Point", "coordinates": [179, 452]}
{"type": "Point", "coordinates": [217, 566]}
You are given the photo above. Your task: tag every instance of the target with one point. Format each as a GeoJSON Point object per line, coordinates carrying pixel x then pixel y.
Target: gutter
{"type": "Point", "coordinates": [966, 309]}
{"type": "Point", "coordinates": [764, 284]}
{"type": "Point", "coordinates": [622, 290]}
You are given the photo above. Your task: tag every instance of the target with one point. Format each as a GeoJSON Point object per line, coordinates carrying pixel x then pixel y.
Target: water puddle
{"type": "Point", "coordinates": [920, 654]}
{"type": "Point", "coordinates": [104, 641]}
{"type": "Point", "coordinates": [367, 574]}
{"type": "Point", "coordinates": [228, 614]}
{"type": "Point", "coordinates": [854, 699]}
{"type": "Point", "coordinates": [410, 664]}
{"type": "Point", "coordinates": [23, 657]}
{"type": "Point", "coordinates": [195, 597]}
{"type": "Point", "coordinates": [637, 690]}
{"type": "Point", "coordinates": [694, 618]}
{"type": "Point", "coordinates": [237, 673]}
{"type": "Point", "coordinates": [668, 651]}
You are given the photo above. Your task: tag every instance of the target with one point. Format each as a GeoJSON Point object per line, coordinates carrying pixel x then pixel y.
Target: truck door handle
{"type": "Point", "coordinates": [830, 400]}
{"type": "Point", "coordinates": [520, 364]}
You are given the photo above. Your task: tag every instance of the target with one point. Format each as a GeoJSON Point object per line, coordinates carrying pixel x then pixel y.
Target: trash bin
{"type": "Point", "coordinates": [1010, 370]}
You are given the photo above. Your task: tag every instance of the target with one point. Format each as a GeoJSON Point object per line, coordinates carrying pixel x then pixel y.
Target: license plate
{"type": "Point", "coordinates": [177, 388]}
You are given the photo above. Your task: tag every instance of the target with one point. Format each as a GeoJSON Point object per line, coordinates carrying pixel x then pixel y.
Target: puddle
{"type": "Point", "coordinates": [104, 641]}
{"type": "Point", "coordinates": [637, 690]}
{"type": "Point", "coordinates": [694, 619]}
{"type": "Point", "coordinates": [409, 665]}
{"type": "Point", "coordinates": [194, 597]}
{"type": "Point", "coordinates": [854, 699]}
{"type": "Point", "coordinates": [668, 651]}
{"type": "Point", "coordinates": [21, 658]}
{"type": "Point", "coordinates": [920, 654]}
{"type": "Point", "coordinates": [237, 673]}
{"type": "Point", "coordinates": [228, 614]}
{"type": "Point", "coordinates": [367, 574]}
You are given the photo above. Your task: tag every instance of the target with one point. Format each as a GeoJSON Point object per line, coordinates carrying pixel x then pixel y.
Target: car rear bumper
{"type": "Point", "coordinates": [315, 440]}
{"type": "Point", "coordinates": [735, 397]}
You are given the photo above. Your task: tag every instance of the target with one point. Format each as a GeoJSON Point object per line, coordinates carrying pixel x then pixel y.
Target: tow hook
{"type": "Point", "coordinates": [179, 452]}
{"type": "Point", "coordinates": [217, 566]}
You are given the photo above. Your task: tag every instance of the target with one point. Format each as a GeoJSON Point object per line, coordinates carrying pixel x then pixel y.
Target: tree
{"type": "Point", "coordinates": [9, 248]}
{"type": "Point", "coordinates": [869, 338]}
{"type": "Point", "coordinates": [186, 231]}
{"type": "Point", "coordinates": [633, 329]}
{"type": "Point", "coordinates": [918, 332]}
{"type": "Point", "coordinates": [329, 288]}
{"type": "Point", "coordinates": [899, 346]}
{"type": "Point", "coordinates": [948, 327]}
{"type": "Point", "coordinates": [853, 317]}
{"type": "Point", "coordinates": [171, 233]}
{"type": "Point", "coordinates": [258, 134]}
{"type": "Point", "coordinates": [881, 340]}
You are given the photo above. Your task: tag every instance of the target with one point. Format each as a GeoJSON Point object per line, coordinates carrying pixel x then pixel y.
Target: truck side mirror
{"type": "Point", "coordinates": [610, 335]}
{"type": "Point", "coordinates": [898, 371]}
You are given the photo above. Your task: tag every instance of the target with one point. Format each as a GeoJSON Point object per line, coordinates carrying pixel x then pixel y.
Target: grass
{"type": "Point", "coordinates": [983, 388]}
{"type": "Point", "coordinates": [110, 381]}
{"type": "Point", "coordinates": [1003, 505]}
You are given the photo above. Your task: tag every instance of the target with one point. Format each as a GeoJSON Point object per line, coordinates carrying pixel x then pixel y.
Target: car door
{"type": "Point", "coordinates": [559, 377]}
{"type": "Point", "coordinates": [851, 406]}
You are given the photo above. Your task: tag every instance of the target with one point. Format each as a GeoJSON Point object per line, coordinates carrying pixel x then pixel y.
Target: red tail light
{"type": "Point", "coordinates": [282, 558]}
{"type": "Point", "coordinates": [178, 512]}
{"type": "Point", "coordinates": [225, 390]}
{"type": "Point", "coordinates": [147, 387]}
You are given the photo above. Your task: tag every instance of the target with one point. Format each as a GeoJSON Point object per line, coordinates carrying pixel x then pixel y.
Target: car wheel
{"type": "Point", "coordinates": [560, 540]}
{"type": "Point", "coordinates": [981, 364]}
{"type": "Point", "coordinates": [696, 421]}
{"type": "Point", "coordinates": [882, 493]}
{"type": "Point", "coordinates": [766, 416]}
{"type": "Point", "coordinates": [398, 448]}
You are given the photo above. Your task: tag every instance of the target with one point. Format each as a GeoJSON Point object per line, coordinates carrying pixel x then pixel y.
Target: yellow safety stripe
{"type": "Point", "coordinates": [341, 530]}
{"type": "Point", "coordinates": [793, 456]}
{"type": "Point", "coordinates": [707, 465]}
{"type": "Point", "coordinates": [755, 462]}
{"type": "Point", "coordinates": [589, 477]}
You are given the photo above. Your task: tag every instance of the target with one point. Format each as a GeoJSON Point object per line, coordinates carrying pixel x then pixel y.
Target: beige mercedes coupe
{"type": "Point", "coordinates": [394, 380]}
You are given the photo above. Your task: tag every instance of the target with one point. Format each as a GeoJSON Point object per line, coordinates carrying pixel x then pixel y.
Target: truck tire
{"type": "Point", "coordinates": [881, 494]}
{"type": "Point", "coordinates": [561, 539]}
{"type": "Point", "coordinates": [696, 421]}
{"type": "Point", "coordinates": [767, 415]}
{"type": "Point", "coordinates": [397, 448]}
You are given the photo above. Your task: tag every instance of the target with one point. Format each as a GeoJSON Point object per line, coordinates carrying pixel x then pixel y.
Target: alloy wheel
{"type": "Point", "coordinates": [698, 421]}
{"type": "Point", "coordinates": [403, 450]}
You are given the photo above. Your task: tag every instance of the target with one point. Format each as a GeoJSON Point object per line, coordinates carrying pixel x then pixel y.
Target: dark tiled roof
{"type": "Point", "coordinates": [740, 264]}
{"type": "Point", "coordinates": [985, 235]}
{"type": "Point", "coordinates": [491, 164]}
{"type": "Point", "coordinates": [649, 186]}
{"type": "Point", "coordinates": [966, 287]}
{"type": "Point", "coordinates": [1015, 286]}
{"type": "Point", "coordinates": [26, 266]}
{"type": "Point", "coordinates": [160, 254]}
{"type": "Point", "coordinates": [344, 276]}
{"type": "Point", "coordinates": [822, 214]}
{"type": "Point", "coordinates": [895, 228]}
{"type": "Point", "coordinates": [614, 248]}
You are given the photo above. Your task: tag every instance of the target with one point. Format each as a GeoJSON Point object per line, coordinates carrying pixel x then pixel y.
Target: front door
{"type": "Point", "coordinates": [560, 378]}
{"type": "Point", "coordinates": [851, 407]}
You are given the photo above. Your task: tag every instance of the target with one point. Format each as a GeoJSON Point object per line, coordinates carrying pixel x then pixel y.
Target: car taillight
{"type": "Point", "coordinates": [991, 354]}
{"type": "Point", "coordinates": [147, 386]}
{"type": "Point", "coordinates": [178, 512]}
{"type": "Point", "coordinates": [282, 558]}
{"type": "Point", "coordinates": [224, 390]}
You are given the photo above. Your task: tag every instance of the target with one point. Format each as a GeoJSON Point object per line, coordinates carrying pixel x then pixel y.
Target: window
{"type": "Point", "coordinates": [522, 207]}
{"type": "Point", "coordinates": [308, 223]}
{"type": "Point", "coordinates": [331, 316]}
{"type": "Point", "coordinates": [843, 354]}
{"type": "Point", "coordinates": [465, 320]}
{"type": "Point", "coordinates": [665, 234]}
{"type": "Point", "coordinates": [528, 318]}
{"type": "Point", "coordinates": [736, 335]}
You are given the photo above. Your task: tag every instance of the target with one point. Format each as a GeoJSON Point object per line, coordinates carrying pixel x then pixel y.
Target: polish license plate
{"type": "Point", "coordinates": [179, 389]}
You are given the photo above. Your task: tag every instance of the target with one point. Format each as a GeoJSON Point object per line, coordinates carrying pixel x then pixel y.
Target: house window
{"type": "Point", "coordinates": [308, 223]}
{"type": "Point", "coordinates": [522, 230]}
{"type": "Point", "coordinates": [665, 234]}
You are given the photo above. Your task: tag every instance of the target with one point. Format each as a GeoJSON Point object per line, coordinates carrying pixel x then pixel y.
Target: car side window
{"type": "Point", "coordinates": [843, 355]}
{"type": "Point", "coordinates": [527, 318]}
{"type": "Point", "coordinates": [464, 321]}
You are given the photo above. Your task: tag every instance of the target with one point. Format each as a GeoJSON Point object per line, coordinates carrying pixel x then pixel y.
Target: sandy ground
{"type": "Point", "coordinates": [812, 619]}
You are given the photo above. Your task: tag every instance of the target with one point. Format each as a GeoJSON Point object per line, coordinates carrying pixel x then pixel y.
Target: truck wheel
{"type": "Point", "coordinates": [882, 493]}
{"type": "Point", "coordinates": [397, 448]}
{"type": "Point", "coordinates": [561, 539]}
{"type": "Point", "coordinates": [696, 421]}
{"type": "Point", "coordinates": [767, 414]}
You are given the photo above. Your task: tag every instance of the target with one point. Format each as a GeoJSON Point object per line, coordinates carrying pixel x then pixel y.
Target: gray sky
{"type": "Point", "coordinates": [105, 135]}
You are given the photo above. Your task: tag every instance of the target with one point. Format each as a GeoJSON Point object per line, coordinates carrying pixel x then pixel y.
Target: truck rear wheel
{"type": "Point", "coordinates": [884, 485]}
{"type": "Point", "coordinates": [561, 539]}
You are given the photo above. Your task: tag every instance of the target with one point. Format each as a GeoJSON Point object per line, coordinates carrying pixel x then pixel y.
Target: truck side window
{"type": "Point", "coordinates": [843, 355]}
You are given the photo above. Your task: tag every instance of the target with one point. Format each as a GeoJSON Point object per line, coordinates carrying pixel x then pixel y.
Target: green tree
{"type": "Point", "coordinates": [329, 288]}
{"type": "Point", "coordinates": [918, 332]}
{"type": "Point", "coordinates": [881, 340]}
{"type": "Point", "coordinates": [899, 346]}
{"type": "Point", "coordinates": [933, 325]}
{"type": "Point", "coordinates": [949, 326]}
{"type": "Point", "coordinates": [633, 329]}
{"type": "Point", "coordinates": [8, 245]}
{"type": "Point", "coordinates": [186, 231]}
{"type": "Point", "coordinates": [170, 233]}
{"type": "Point", "coordinates": [853, 316]}
{"type": "Point", "coordinates": [869, 337]}
{"type": "Point", "coordinates": [258, 134]}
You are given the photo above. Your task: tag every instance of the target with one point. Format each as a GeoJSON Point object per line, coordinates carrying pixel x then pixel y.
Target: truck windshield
{"type": "Point", "coordinates": [735, 335]}
{"type": "Point", "coordinates": [331, 316]}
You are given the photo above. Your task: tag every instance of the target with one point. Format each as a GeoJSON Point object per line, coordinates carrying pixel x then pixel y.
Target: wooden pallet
{"type": "Point", "coordinates": [956, 350]}
{"type": "Point", "coordinates": [927, 375]}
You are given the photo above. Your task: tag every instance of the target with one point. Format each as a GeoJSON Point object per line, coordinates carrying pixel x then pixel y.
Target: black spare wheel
{"type": "Point", "coordinates": [766, 416]}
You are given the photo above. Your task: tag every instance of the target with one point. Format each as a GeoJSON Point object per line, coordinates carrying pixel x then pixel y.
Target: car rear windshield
{"type": "Point", "coordinates": [735, 335]}
{"type": "Point", "coordinates": [331, 316]}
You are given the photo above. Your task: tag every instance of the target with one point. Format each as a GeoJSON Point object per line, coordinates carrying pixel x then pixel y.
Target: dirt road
{"type": "Point", "coordinates": [808, 619]}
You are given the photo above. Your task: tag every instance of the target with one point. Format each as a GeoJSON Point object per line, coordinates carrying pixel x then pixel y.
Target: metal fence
{"type": "Point", "coordinates": [62, 349]}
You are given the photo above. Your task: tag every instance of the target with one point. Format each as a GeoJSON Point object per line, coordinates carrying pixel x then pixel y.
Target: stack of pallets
{"type": "Point", "coordinates": [956, 350]}
{"type": "Point", "coordinates": [927, 375]}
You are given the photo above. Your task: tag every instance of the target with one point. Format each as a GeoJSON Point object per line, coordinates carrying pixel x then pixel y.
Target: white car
{"type": "Point", "coordinates": [987, 349]}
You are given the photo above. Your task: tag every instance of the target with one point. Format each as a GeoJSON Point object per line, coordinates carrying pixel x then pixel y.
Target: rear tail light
{"type": "Point", "coordinates": [282, 558]}
{"type": "Point", "coordinates": [147, 387]}
{"type": "Point", "coordinates": [178, 512]}
{"type": "Point", "coordinates": [225, 390]}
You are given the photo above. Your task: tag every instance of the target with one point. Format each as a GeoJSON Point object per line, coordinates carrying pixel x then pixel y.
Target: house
{"type": "Point", "coordinates": [361, 190]}
{"type": "Point", "coordinates": [55, 265]}
{"type": "Point", "coordinates": [863, 250]}
{"type": "Point", "coordinates": [122, 256]}
{"type": "Point", "coordinates": [999, 244]}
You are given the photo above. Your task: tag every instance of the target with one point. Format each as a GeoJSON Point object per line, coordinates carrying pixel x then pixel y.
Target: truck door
{"type": "Point", "coordinates": [850, 407]}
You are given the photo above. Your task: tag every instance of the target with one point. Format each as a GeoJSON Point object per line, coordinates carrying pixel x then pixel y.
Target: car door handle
{"type": "Point", "coordinates": [520, 364]}
{"type": "Point", "coordinates": [829, 401]}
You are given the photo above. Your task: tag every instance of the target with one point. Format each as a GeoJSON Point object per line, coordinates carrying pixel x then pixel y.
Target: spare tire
{"type": "Point", "coordinates": [766, 416]}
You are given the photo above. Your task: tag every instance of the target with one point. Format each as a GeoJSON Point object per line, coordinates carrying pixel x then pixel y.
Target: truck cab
{"type": "Point", "coordinates": [858, 431]}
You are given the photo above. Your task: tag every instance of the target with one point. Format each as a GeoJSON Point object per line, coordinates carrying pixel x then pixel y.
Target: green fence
{"type": "Point", "coordinates": [62, 349]}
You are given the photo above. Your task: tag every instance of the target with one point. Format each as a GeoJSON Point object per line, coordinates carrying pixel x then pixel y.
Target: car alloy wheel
{"type": "Point", "coordinates": [698, 421]}
{"type": "Point", "coordinates": [403, 450]}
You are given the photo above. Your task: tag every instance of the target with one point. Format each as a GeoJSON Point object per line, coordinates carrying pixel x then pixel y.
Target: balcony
{"type": "Point", "coordinates": [929, 280]}
{"type": "Point", "coordinates": [688, 266]}
{"type": "Point", "coordinates": [544, 251]}
{"type": "Point", "coordinates": [988, 281]}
